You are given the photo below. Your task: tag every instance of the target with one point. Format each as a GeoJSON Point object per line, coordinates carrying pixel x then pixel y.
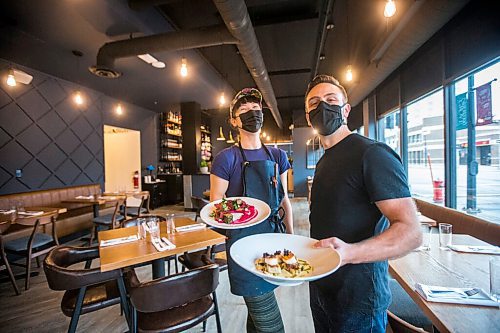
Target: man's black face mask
{"type": "Point", "coordinates": [252, 120]}
{"type": "Point", "coordinates": [326, 118]}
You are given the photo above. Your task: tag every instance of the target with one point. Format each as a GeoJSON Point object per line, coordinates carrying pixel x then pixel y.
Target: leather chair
{"type": "Point", "coordinates": [198, 203]}
{"type": "Point", "coordinates": [86, 290]}
{"type": "Point", "coordinates": [108, 221]}
{"type": "Point", "coordinates": [174, 303]}
{"type": "Point", "coordinates": [4, 225]}
{"type": "Point", "coordinates": [398, 325]}
{"type": "Point", "coordinates": [133, 222]}
{"type": "Point", "coordinates": [216, 254]}
{"type": "Point", "coordinates": [142, 209]}
{"type": "Point", "coordinates": [36, 244]}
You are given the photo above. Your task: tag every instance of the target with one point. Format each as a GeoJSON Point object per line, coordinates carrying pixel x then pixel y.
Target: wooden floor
{"type": "Point", "coordinates": [38, 309]}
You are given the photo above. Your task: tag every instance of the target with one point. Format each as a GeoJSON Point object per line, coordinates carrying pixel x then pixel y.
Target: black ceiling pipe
{"type": "Point", "coordinates": [235, 16]}
{"type": "Point", "coordinates": [170, 41]}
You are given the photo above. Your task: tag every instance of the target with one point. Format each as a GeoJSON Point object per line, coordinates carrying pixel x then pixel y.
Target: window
{"type": "Point", "coordinates": [479, 194]}
{"type": "Point", "coordinates": [314, 151]}
{"type": "Point", "coordinates": [426, 147]}
{"type": "Point", "coordinates": [389, 130]}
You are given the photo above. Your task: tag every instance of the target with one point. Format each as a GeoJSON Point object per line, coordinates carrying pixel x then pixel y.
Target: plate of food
{"type": "Point", "coordinates": [235, 212]}
{"type": "Point", "coordinates": [284, 259]}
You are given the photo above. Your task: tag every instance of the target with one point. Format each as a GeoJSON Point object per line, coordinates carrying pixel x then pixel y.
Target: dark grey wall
{"type": "Point", "coordinates": [54, 142]}
{"type": "Point", "coordinates": [300, 172]}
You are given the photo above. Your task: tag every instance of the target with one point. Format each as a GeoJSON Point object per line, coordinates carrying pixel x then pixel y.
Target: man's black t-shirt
{"type": "Point", "coordinates": [350, 177]}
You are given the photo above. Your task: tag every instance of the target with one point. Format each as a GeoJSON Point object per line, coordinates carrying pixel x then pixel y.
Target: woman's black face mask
{"type": "Point", "coordinates": [252, 120]}
{"type": "Point", "coordinates": [326, 118]}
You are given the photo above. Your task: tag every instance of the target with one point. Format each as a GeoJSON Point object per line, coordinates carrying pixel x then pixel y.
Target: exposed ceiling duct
{"type": "Point", "coordinates": [235, 16]}
{"type": "Point", "coordinates": [170, 41]}
{"type": "Point", "coordinates": [429, 18]}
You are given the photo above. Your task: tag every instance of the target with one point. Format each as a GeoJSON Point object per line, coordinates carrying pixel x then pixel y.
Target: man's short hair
{"type": "Point", "coordinates": [323, 78]}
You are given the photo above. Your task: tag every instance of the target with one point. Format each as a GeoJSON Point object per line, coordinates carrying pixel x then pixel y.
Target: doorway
{"type": "Point", "coordinates": [122, 158]}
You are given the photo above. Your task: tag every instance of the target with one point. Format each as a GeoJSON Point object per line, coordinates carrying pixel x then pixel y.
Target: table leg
{"type": "Point", "coordinates": [158, 268]}
{"type": "Point", "coordinates": [96, 210]}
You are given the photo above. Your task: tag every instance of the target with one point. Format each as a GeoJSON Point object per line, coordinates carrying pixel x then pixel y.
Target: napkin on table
{"type": "Point", "coordinates": [454, 295]}
{"type": "Point", "coordinates": [163, 245]}
{"type": "Point", "coordinates": [84, 197]}
{"type": "Point", "coordinates": [483, 249]}
{"type": "Point", "coordinates": [30, 213]}
{"type": "Point", "coordinates": [3, 211]}
{"type": "Point", "coordinates": [121, 240]}
{"type": "Point", "coordinates": [191, 227]}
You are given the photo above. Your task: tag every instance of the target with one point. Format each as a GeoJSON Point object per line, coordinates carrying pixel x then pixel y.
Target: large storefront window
{"type": "Point", "coordinates": [389, 130]}
{"type": "Point", "coordinates": [478, 178]}
{"type": "Point", "coordinates": [426, 148]}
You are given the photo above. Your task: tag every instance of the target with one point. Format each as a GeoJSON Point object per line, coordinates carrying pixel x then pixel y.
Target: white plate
{"type": "Point", "coordinates": [324, 261]}
{"type": "Point", "coordinates": [263, 212]}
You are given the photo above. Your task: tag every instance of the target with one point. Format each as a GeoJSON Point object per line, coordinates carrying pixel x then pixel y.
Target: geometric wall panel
{"type": "Point", "coordinates": [67, 172]}
{"type": "Point", "coordinates": [67, 141]}
{"type": "Point", "coordinates": [33, 139]}
{"type": "Point", "coordinates": [52, 124]}
{"type": "Point", "coordinates": [35, 174]}
{"type": "Point", "coordinates": [52, 156]}
{"type": "Point", "coordinates": [33, 104]}
{"type": "Point", "coordinates": [13, 119]}
{"type": "Point", "coordinates": [52, 91]}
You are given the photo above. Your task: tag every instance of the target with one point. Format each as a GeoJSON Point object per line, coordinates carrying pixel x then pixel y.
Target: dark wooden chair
{"type": "Point", "coordinates": [108, 221]}
{"type": "Point", "coordinates": [140, 210]}
{"type": "Point", "coordinates": [174, 303]}
{"type": "Point", "coordinates": [86, 290]}
{"type": "Point", "coordinates": [398, 325]}
{"type": "Point", "coordinates": [215, 253]}
{"type": "Point", "coordinates": [37, 243]}
{"type": "Point", "coordinates": [198, 203]}
{"type": "Point", "coordinates": [4, 225]}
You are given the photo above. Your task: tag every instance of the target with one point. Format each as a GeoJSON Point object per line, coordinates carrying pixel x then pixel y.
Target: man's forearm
{"type": "Point", "coordinates": [287, 206]}
{"type": "Point", "coordinates": [395, 242]}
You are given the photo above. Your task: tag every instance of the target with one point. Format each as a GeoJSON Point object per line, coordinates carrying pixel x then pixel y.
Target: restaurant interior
{"type": "Point", "coordinates": [112, 111]}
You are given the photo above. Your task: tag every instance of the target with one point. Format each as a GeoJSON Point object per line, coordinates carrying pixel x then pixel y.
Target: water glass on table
{"type": "Point", "coordinates": [495, 277]}
{"type": "Point", "coordinates": [445, 235]}
{"type": "Point", "coordinates": [141, 228]}
{"type": "Point", "coordinates": [154, 229]}
{"type": "Point", "coordinates": [170, 224]}
{"type": "Point", "coordinates": [426, 229]}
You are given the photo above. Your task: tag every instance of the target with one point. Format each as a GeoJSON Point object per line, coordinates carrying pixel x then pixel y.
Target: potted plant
{"type": "Point", "coordinates": [203, 166]}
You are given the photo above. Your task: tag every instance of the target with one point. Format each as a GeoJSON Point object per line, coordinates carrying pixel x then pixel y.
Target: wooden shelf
{"type": "Point", "coordinates": [177, 135]}
{"type": "Point", "coordinates": [174, 122]}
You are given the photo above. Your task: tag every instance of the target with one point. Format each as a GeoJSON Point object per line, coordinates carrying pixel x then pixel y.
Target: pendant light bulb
{"type": "Point", "coordinates": [390, 8]}
{"type": "Point", "coordinates": [348, 74]}
{"type": "Point", "coordinates": [231, 140]}
{"type": "Point", "coordinates": [184, 69]}
{"type": "Point", "coordinates": [222, 99]}
{"type": "Point", "coordinates": [11, 80]}
{"type": "Point", "coordinates": [77, 98]}
{"type": "Point", "coordinates": [119, 109]}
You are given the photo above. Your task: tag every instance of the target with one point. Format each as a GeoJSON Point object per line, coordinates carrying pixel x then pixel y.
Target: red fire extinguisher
{"type": "Point", "coordinates": [136, 180]}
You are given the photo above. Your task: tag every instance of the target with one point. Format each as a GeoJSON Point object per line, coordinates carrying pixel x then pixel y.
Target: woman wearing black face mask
{"type": "Point", "coordinates": [251, 169]}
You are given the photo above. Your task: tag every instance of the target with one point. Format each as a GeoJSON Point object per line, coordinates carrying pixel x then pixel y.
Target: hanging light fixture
{"type": "Point", "coordinates": [390, 8]}
{"type": "Point", "coordinates": [221, 135]}
{"type": "Point", "coordinates": [119, 109]}
{"type": "Point", "coordinates": [184, 69]}
{"type": "Point", "coordinates": [348, 73]}
{"type": "Point", "coordinates": [11, 80]}
{"type": "Point", "coordinates": [231, 140]}
{"type": "Point", "coordinates": [222, 99]}
{"type": "Point", "coordinates": [78, 98]}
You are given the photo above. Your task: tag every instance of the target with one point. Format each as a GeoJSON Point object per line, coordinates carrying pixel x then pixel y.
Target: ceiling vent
{"type": "Point", "coordinates": [104, 72]}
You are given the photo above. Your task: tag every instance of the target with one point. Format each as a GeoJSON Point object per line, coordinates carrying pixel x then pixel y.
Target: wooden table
{"type": "Point", "coordinates": [45, 210]}
{"type": "Point", "coordinates": [129, 254]}
{"type": "Point", "coordinates": [95, 202]}
{"type": "Point", "coordinates": [451, 269]}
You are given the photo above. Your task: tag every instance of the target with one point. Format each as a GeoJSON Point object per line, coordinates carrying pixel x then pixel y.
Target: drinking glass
{"type": "Point", "coordinates": [170, 224]}
{"type": "Point", "coordinates": [426, 237]}
{"type": "Point", "coordinates": [445, 235]}
{"type": "Point", "coordinates": [141, 228]}
{"type": "Point", "coordinates": [154, 229]}
{"type": "Point", "coordinates": [495, 278]}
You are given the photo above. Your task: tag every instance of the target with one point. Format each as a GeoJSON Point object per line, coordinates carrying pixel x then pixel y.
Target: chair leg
{"type": "Point", "coordinates": [217, 317]}
{"type": "Point", "coordinates": [28, 271]}
{"type": "Point", "coordinates": [11, 275]}
{"type": "Point", "coordinates": [123, 298]}
{"type": "Point", "coordinates": [92, 233]}
{"type": "Point", "coordinates": [204, 329]}
{"type": "Point", "coordinates": [38, 262]}
{"type": "Point", "coordinates": [133, 329]}
{"type": "Point", "coordinates": [77, 311]}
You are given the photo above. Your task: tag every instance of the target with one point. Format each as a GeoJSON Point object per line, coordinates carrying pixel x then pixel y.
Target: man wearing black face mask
{"type": "Point", "coordinates": [251, 169]}
{"type": "Point", "coordinates": [361, 206]}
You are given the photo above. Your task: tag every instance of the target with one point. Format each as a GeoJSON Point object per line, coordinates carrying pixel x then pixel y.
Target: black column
{"type": "Point", "coordinates": [191, 137]}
